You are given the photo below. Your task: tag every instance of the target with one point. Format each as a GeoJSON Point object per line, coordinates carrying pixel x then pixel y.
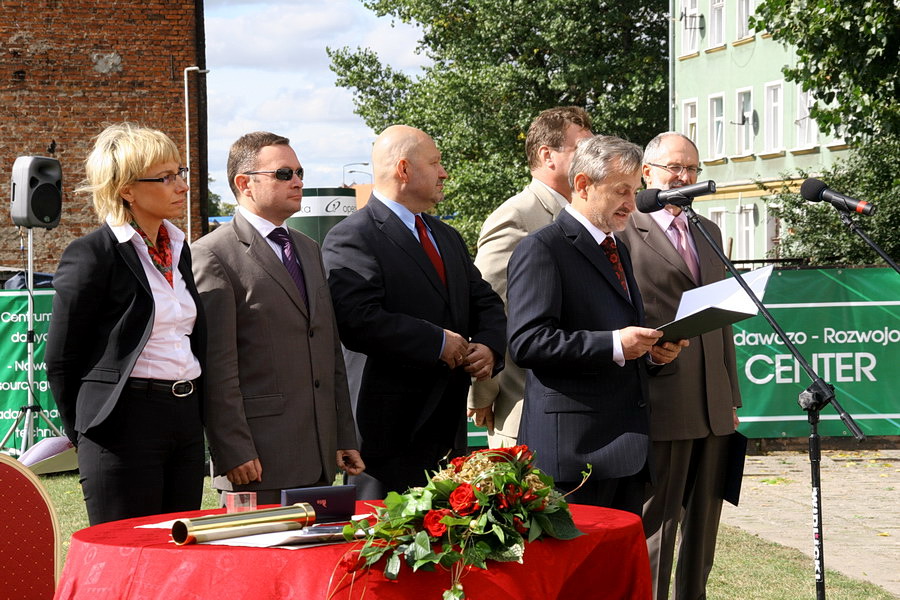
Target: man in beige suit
{"type": "Point", "coordinates": [277, 412]}
{"type": "Point", "coordinates": [693, 400]}
{"type": "Point", "coordinates": [496, 403]}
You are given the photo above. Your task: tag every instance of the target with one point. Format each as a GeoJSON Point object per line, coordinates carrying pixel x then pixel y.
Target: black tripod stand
{"type": "Point", "coordinates": [32, 411]}
{"type": "Point", "coordinates": [818, 395]}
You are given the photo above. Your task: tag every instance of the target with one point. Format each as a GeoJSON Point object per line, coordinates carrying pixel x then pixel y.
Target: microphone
{"type": "Point", "coordinates": [815, 190]}
{"type": "Point", "coordinates": [652, 200]}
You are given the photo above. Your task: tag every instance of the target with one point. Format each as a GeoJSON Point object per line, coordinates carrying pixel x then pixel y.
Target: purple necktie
{"type": "Point", "coordinates": [684, 249]}
{"type": "Point", "coordinates": [289, 258]}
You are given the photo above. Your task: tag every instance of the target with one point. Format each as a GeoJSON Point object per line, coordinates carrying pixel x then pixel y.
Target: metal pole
{"type": "Point", "coordinates": [187, 141]}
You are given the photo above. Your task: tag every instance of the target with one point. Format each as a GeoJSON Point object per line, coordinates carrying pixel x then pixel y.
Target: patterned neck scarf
{"type": "Point", "coordinates": [161, 252]}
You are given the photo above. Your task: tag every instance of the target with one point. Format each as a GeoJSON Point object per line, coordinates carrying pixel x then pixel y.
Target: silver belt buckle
{"type": "Point", "coordinates": [183, 384]}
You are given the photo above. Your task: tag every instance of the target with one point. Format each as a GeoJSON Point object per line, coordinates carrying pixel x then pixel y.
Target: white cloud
{"type": "Point", "coordinates": [269, 71]}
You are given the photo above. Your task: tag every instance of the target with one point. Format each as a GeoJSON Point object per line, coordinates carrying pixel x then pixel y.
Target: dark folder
{"type": "Point", "coordinates": [331, 502]}
{"type": "Point", "coordinates": [734, 467]}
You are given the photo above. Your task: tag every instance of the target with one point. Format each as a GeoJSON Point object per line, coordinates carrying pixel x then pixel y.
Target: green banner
{"type": "Point", "coordinates": [846, 324]}
{"type": "Point", "coordinates": [14, 366]}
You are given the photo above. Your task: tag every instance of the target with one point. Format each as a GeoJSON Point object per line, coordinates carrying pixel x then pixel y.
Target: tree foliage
{"type": "Point", "coordinates": [494, 65]}
{"type": "Point", "coordinates": [814, 230]}
{"type": "Point", "coordinates": [217, 207]}
{"type": "Point", "coordinates": [847, 54]}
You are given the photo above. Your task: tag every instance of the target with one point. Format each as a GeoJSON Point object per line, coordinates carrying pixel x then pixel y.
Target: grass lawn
{"type": "Point", "coordinates": [747, 566]}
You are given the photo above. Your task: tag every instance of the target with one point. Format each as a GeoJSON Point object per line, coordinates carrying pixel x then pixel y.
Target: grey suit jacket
{"type": "Point", "coordinates": [694, 395]}
{"type": "Point", "coordinates": [529, 210]}
{"type": "Point", "coordinates": [277, 384]}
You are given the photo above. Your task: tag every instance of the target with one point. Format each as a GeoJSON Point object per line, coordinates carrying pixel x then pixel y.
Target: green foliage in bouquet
{"type": "Point", "coordinates": [480, 507]}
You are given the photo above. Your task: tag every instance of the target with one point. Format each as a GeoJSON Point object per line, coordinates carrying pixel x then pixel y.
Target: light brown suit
{"type": "Point", "coordinates": [276, 378]}
{"type": "Point", "coordinates": [692, 401]}
{"type": "Point", "coordinates": [529, 210]}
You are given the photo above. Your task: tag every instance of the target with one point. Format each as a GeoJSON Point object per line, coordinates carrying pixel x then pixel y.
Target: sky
{"type": "Point", "coordinates": [268, 70]}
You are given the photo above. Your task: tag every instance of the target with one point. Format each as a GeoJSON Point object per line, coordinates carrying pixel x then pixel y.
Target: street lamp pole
{"type": "Point", "coordinates": [344, 170]}
{"type": "Point", "coordinates": [187, 141]}
{"type": "Point", "coordinates": [363, 172]}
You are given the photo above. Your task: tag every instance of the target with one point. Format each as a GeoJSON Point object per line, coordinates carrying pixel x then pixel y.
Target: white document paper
{"type": "Point", "coordinates": [716, 305]}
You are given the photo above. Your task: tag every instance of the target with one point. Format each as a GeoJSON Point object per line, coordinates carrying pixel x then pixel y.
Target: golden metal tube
{"type": "Point", "coordinates": [218, 527]}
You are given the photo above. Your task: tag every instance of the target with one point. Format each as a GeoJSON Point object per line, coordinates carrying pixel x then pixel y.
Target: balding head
{"type": "Point", "coordinates": [407, 167]}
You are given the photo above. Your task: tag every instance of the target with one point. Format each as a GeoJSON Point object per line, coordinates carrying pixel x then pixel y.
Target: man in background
{"type": "Point", "coordinates": [694, 400]}
{"type": "Point", "coordinates": [576, 322]}
{"type": "Point", "coordinates": [277, 414]}
{"type": "Point", "coordinates": [496, 403]}
{"type": "Point", "coordinates": [408, 297]}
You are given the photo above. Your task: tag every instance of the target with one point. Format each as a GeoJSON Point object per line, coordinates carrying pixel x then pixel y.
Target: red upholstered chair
{"type": "Point", "coordinates": [29, 534]}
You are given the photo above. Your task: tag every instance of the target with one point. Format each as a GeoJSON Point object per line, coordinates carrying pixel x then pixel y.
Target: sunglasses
{"type": "Point", "coordinates": [282, 174]}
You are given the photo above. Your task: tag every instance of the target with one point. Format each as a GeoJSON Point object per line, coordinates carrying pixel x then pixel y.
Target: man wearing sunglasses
{"type": "Point", "coordinates": [409, 299]}
{"type": "Point", "coordinates": [693, 400]}
{"type": "Point", "coordinates": [278, 410]}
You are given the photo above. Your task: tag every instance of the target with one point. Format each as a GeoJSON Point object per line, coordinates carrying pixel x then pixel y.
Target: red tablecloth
{"type": "Point", "coordinates": [115, 561]}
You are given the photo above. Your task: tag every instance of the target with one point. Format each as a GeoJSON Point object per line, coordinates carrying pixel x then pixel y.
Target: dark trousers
{"type": "Point", "coordinates": [623, 493]}
{"type": "Point", "coordinates": [146, 459]}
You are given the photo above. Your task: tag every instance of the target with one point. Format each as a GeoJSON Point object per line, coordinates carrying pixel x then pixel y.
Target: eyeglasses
{"type": "Point", "coordinates": [282, 174]}
{"type": "Point", "coordinates": [678, 169]}
{"type": "Point", "coordinates": [168, 179]}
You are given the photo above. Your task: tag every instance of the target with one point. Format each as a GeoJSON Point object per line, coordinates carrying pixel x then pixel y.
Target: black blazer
{"type": "Point", "coordinates": [391, 305]}
{"type": "Point", "coordinates": [564, 303]}
{"type": "Point", "coordinates": [102, 318]}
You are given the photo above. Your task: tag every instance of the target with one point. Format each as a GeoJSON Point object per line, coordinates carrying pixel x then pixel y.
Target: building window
{"type": "Point", "coordinates": [716, 126]}
{"type": "Point", "coordinates": [716, 23]}
{"type": "Point", "coordinates": [689, 125]}
{"type": "Point", "coordinates": [806, 127]}
{"type": "Point", "coordinates": [745, 230]}
{"type": "Point", "coordinates": [744, 10]}
{"type": "Point", "coordinates": [744, 122]}
{"type": "Point", "coordinates": [717, 216]}
{"type": "Point", "coordinates": [690, 27]}
{"type": "Point", "coordinates": [774, 118]}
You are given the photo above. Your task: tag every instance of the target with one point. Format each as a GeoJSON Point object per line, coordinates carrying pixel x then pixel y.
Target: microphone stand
{"type": "Point", "coordinates": [812, 400]}
{"type": "Point", "coordinates": [852, 226]}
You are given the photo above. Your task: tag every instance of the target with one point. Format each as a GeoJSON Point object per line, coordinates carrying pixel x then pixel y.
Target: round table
{"type": "Point", "coordinates": [117, 561]}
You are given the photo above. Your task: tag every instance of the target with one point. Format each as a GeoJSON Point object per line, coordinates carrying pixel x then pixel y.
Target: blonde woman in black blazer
{"type": "Point", "coordinates": [127, 335]}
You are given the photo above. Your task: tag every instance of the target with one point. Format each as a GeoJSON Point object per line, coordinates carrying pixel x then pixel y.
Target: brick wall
{"type": "Point", "coordinates": [68, 68]}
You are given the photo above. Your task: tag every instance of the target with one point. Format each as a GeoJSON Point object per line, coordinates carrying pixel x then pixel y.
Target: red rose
{"type": "Point", "coordinates": [458, 462]}
{"type": "Point", "coordinates": [519, 525]}
{"type": "Point", "coordinates": [433, 524]}
{"type": "Point", "coordinates": [462, 500]}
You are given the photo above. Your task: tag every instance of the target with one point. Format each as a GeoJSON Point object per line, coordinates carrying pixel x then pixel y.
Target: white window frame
{"type": "Point", "coordinates": [716, 23]}
{"type": "Point", "coordinates": [745, 8]}
{"type": "Point", "coordinates": [806, 128]}
{"type": "Point", "coordinates": [689, 119]}
{"type": "Point", "coordinates": [716, 126]}
{"type": "Point", "coordinates": [690, 26]}
{"type": "Point", "coordinates": [744, 122]}
{"type": "Point", "coordinates": [719, 216]}
{"type": "Point", "coordinates": [773, 119]}
{"type": "Point", "coordinates": [745, 232]}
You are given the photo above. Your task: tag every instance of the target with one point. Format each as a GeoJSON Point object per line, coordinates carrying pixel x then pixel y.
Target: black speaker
{"type": "Point", "coordinates": [36, 192]}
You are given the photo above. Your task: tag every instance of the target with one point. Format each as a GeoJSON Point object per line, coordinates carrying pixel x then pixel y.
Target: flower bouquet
{"type": "Point", "coordinates": [480, 507]}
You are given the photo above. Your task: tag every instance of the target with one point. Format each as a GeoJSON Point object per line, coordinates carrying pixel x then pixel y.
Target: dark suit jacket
{"type": "Point", "coordinates": [392, 307]}
{"type": "Point", "coordinates": [564, 303]}
{"type": "Point", "coordinates": [102, 318]}
{"type": "Point", "coordinates": [694, 395]}
{"type": "Point", "coordinates": [278, 389]}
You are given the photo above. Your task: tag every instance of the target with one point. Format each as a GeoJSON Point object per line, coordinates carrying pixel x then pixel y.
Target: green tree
{"type": "Point", "coordinates": [814, 230]}
{"type": "Point", "coordinates": [217, 207]}
{"type": "Point", "coordinates": [847, 54]}
{"type": "Point", "coordinates": [494, 65]}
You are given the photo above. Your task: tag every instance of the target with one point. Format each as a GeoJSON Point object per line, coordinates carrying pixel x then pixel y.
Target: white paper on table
{"type": "Point", "coordinates": [716, 305]}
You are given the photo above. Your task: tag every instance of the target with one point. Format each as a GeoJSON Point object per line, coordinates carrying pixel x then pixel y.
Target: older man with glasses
{"type": "Point", "coordinates": [278, 410]}
{"type": "Point", "coordinates": [694, 400]}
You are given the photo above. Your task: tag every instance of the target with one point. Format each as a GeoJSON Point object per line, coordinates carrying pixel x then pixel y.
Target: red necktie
{"type": "Point", "coordinates": [430, 250]}
{"type": "Point", "coordinates": [612, 253]}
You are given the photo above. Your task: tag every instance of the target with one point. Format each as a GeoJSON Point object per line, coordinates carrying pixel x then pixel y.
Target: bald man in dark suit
{"type": "Point", "coordinates": [409, 299]}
